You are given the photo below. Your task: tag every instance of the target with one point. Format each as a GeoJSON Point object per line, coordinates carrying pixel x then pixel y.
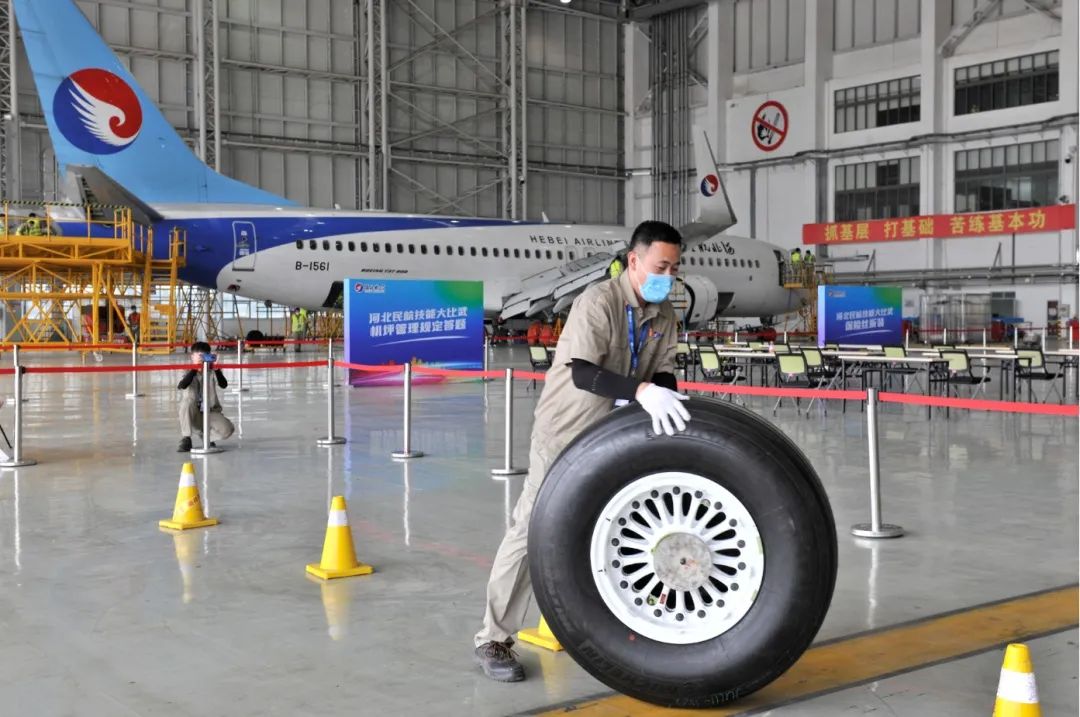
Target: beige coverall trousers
{"type": "Point", "coordinates": [509, 589]}
{"type": "Point", "coordinates": [191, 419]}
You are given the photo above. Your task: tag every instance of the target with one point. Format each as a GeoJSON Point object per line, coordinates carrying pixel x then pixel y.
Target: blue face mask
{"type": "Point", "coordinates": [657, 287]}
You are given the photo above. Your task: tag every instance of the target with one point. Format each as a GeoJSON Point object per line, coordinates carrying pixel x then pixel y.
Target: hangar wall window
{"type": "Point", "coordinates": [878, 104]}
{"type": "Point", "coordinates": [1008, 177]}
{"type": "Point", "coordinates": [861, 23]}
{"type": "Point", "coordinates": [877, 190]}
{"type": "Point", "coordinates": [1018, 81]}
{"type": "Point", "coordinates": [768, 33]}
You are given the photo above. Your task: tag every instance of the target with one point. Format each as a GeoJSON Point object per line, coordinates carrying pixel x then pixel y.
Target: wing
{"type": "Point", "coordinates": [553, 290]}
{"type": "Point", "coordinates": [97, 115]}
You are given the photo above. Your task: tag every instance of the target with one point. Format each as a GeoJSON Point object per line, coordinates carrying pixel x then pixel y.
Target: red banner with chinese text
{"type": "Point", "coordinates": [943, 226]}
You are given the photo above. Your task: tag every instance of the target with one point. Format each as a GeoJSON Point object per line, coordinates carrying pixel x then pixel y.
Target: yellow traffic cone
{"type": "Point", "coordinates": [187, 513]}
{"type": "Point", "coordinates": [338, 555]}
{"type": "Point", "coordinates": [1016, 694]}
{"type": "Point", "coordinates": [541, 637]}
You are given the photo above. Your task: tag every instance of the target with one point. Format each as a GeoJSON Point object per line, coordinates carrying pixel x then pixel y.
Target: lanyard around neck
{"type": "Point", "coordinates": [636, 341]}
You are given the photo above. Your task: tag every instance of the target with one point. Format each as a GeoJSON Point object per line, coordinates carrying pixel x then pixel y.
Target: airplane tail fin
{"type": "Point", "coordinates": [715, 213]}
{"type": "Point", "coordinates": [98, 116]}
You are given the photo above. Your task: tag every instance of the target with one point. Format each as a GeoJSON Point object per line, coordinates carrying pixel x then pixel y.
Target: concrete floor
{"type": "Point", "coordinates": [103, 614]}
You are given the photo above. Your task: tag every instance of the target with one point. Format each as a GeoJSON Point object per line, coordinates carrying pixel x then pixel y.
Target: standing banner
{"type": "Point", "coordinates": [439, 324]}
{"type": "Point", "coordinates": [868, 315]}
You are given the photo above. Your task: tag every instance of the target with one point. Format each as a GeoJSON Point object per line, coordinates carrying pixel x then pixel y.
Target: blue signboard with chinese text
{"type": "Point", "coordinates": [869, 315]}
{"type": "Point", "coordinates": [431, 323]}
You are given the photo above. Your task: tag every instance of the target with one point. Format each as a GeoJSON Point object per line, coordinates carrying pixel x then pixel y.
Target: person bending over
{"type": "Point", "coordinates": [618, 346]}
{"type": "Point", "coordinates": [191, 408]}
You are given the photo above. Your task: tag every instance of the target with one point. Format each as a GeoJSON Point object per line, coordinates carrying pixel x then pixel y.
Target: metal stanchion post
{"type": "Point", "coordinates": [487, 355]}
{"type": "Point", "coordinates": [1016, 335]}
{"type": "Point", "coordinates": [407, 452]}
{"type": "Point", "coordinates": [736, 339]}
{"type": "Point", "coordinates": [907, 339]}
{"type": "Point", "coordinates": [875, 528]}
{"type": "Point", "coordinates": [945, 336]}
{"type": "Point", "coordinates": [984, 338]}
{"type": "Point", "coordinates": [1044, 339]}
{"type": "Point", "coordinates": [134, 373]}
{"type": "Point", "coordinates": [331, 439]}
{"type": "Point", "coordinates": [785, 336]}
{"type": "Point", "coordinates": [240, 363]}
{"type": "Point", "coordinates": [207, 377]}
{"type": "Point", "coordinates": [508, 437]}
{"type": "Point", "coordinates": [17, 460]}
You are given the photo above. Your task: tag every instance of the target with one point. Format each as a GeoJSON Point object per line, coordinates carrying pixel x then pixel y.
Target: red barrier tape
{"type": "Point", "coordinates": [165, 367]}
{"type": "Point", "coordinates": [107, 369]}
{"type": "Point", "coordinates": [1043, 409]}
{"type": "Point", "coordinates": [774, 392]}
{"type": "Point", "coordinates": [395, 368]}
{"type": "Point", "coordinates": [456, 373]}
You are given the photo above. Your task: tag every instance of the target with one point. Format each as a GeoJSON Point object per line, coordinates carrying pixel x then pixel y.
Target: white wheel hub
{"type": "Point", "coordinates": [677, 558]}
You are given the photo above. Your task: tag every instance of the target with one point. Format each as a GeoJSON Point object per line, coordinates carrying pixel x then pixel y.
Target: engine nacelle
{"type": "Point", "coordinates": [702, 298]}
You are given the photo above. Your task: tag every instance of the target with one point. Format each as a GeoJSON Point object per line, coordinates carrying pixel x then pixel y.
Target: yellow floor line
{"type": "Point", "coordinates": [871, 656]}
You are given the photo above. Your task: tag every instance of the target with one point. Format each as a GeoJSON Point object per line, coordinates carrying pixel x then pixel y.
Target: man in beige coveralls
{"type": "Point", "coordinates": [618, 346]}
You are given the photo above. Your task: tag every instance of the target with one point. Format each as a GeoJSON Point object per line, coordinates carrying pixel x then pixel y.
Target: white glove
{"type": "Point", "coordinates": [665, 407]}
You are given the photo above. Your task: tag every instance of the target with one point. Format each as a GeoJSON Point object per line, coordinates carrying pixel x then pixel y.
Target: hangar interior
{"type": "Point", "coordinates": [825, 118]}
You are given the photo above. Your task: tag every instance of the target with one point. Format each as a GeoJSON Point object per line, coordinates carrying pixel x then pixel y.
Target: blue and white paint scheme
{"type": "Point", "coordinates": [247, 241]}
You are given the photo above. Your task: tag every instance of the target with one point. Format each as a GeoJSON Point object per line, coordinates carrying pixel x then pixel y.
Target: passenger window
{"type": "Point", "coordinates": [558, 253]}
{"type": "Point", "coordinates": [423, 248]}
{"type": "Point", "coordinates": [549, 254]}
{"type": "Point", "coordinates": [387, 249]}
{"type": "Point", "coordinates": [571, 254]}
{"type": "Point", "coordinates": [337, 245]}
{"type": "Point", "coordinates": [363, 246]}
{"type": "Point", "coordinates": [352, 246]}
{"type": "Point", "coordinates": [375, 248]}
{"type": "Point", "coordinates": [326, 244]}
{"type": "Point", "coordinates": [449, 250]}
{"type": "Point", "coordinates": [472, 251]}
{"type": "Point", "coordinates": [483, 251]}
{"type": "Point", "coordinates": [710, 261]}
{"type": "Point", "coordinates": [311, 244]}
{"type": "Point", "coordinates": [299, 243]}
{"type": "Point", "coordinates": [727, 263]}
{"type": "Point", "coordinates": [506, 253]}
{"type": "Point", "coordinates": [757, 263]}
{"type": "Point", "coordinates": [527, 254]}
{"type": "Point", "coordinates": [742, 263]}
{"type": "Point", "coordinates": [461, 251]}
{"type": "Point", "coordinates": [436, 249]}
{"type": "Point", "coordinates": [517, 253]}
{"type": "Point", "coordinates": [400, 249]}
{"type": "Point", "coordinates": [412, 249]}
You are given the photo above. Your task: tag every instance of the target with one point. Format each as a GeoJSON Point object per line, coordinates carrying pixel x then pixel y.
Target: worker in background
{"type": "Point", "coordinates": [616, 267]}
{"type": "Point", "coordinates": [133, 320]}
{"type": "Point", "coordinates": [32, 227]}
{"type": "Point", "coordinates": [808, 265]}
{"type": "Point", "coordinates": [191, 408]}
{"type": "Point", "coordinates": [299, 321]}
{"type": "Point", "coordinates": [618, 345]}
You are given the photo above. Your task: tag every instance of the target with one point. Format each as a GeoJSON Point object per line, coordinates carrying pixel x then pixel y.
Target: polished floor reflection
{"type": "Point", "coordinates": [103, 614]}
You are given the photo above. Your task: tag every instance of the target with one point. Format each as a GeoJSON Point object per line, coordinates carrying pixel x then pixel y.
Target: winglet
{"type": "Point", "coordinates": [715, 213]}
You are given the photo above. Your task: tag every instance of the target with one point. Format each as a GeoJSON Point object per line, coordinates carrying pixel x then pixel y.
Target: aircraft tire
{"type": "Point", "coordinates": [686, 571]}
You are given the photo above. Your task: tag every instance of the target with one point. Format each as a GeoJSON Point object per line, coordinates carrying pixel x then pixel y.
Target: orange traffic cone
{"type": "Point", "coordinates": [187, 513]}
{"type": "Point", "coordinates": [1016, 694]}
{"type": "Point", "coordinates": [541, 636]}
{"type": "Point", "coordinates": [338, 555]}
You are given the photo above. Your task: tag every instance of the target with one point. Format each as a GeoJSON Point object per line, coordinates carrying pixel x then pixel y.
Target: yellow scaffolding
{"type": "Point", "coordinates": [71, 284]}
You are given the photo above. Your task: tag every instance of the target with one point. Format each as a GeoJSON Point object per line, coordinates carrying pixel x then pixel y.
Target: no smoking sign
{"type": "Point", "coordinates": [769, 126]}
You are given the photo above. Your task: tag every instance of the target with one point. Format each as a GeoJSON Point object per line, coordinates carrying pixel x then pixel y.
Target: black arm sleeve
{"type": "Point", "coordinates": [221, 382]}
{"type": "Point", "coordinates": [589, 377]}
{"type": "Point", "coordinates": [187, 379]}
{"type": "Point", "coordinates": [666, 379]}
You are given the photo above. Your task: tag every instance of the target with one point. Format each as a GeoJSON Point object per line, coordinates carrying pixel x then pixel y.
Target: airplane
{"type": "Point", "coordinates": [118, 146]}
